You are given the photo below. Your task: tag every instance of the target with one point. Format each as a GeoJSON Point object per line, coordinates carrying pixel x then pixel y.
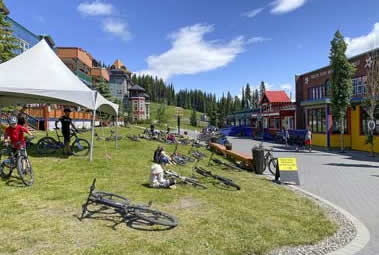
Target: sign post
{"type": "Point", "coordinates": [287, 171]}
{"type": "Point", "coordinates": [178, 114]}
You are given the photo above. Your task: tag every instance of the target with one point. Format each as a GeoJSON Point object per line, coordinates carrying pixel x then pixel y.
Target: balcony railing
{"type": "Point", "coordinates": [83, 76]}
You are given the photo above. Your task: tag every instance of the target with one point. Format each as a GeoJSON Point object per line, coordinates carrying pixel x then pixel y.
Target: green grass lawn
{"type": "Point", "coordinates": [43, 218]}
{"type": "Point", "coordinates": [172, 120]}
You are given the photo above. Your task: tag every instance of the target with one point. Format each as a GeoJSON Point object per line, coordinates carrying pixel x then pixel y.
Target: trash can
{"type": "Point", "coordinates": [258, 160]}
{"type": "Point", "coordinates": [228, 146]}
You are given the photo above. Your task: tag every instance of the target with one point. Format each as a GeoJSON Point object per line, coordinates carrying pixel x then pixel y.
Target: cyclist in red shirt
{"type": "Point", "coordinates": [15, 133]}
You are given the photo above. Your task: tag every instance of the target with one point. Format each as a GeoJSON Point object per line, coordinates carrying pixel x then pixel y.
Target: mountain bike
{"type": "Point", "coordinates": [17, 158]}
{"type": "Point", "coordinates": [222, 163]}
{"type": "Point", "coordinates": [125, 208]}
{"type": "Point", "coordinates": [48, 145]}
{"type": "Point", "coordinates": [221, 179]}
{"type": "Point", "coordinates": [134, 138]}
{"type": "Point", "coordinates": [270, 162]}
{"type": "Point", "coordinates": [184, 179]}
{"type": "Point", "coordinates": [112, 137]}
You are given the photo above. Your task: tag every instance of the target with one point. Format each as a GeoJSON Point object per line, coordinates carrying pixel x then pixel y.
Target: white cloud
{"type": "Point", "coordinates": [363, 43]}
{"type": "Point", "coordinates": [96, 8]}
{"type": "Point", "coordinates": [258, 39]}
{"type": "Point", "coordinates": [117, 28]}
{"type": "Point", "coordinates": [284, 6]}
{"type": "Point", "coordinates": [192, 54]}
{"type": "Point", "coordinates": [253, 13]}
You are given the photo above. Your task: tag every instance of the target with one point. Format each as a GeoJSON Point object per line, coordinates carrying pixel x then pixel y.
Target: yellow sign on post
{"type": "Point", "coordinates": [287, 164]}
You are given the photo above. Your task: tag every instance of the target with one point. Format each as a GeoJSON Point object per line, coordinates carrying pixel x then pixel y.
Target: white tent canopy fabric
{"type": "Point", "coordinates": [39, 76]}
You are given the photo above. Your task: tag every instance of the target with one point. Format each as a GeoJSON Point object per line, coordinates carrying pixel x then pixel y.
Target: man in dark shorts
{"type": "Point", "coordinates": [66, 123]}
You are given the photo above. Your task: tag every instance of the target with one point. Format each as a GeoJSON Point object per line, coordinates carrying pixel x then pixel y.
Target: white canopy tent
{"type": "Point", "coordinates": [39, 76]}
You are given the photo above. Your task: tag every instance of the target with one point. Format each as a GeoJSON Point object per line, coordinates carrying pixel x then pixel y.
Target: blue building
{"type": "Point", "coordinates": [26, 39]}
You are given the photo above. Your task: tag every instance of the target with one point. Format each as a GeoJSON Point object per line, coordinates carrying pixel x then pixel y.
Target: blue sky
{"type": "Point", "coordinates": [213, 45]}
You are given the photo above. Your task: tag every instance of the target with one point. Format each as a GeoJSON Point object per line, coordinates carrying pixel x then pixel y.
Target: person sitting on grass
{"type": "Point", "coordinates": [163, 157]}
{"type": "Point", "coordinates": [15, 134]}
{"type": "Point", "coordinates": [158, 180]}
{"type": "Point", "coordinates": [171, 137]}
{"type": "Point", "coordinates": [66, 123]}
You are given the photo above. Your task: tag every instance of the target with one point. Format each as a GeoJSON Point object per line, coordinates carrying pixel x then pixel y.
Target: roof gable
{"type": "Point", "coordinates": [279, 96]}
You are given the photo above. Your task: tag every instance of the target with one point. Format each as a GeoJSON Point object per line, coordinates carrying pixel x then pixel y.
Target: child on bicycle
{"type": "Point", "coordinates": [15, 134]}
{"type": "Point", "coordinates": [66, 123]}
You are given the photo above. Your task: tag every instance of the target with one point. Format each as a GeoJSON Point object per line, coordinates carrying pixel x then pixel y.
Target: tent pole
{"type": "Point", "coordinates": [116, 130]}
{"type": "Point", "coordinates": [92, 134]}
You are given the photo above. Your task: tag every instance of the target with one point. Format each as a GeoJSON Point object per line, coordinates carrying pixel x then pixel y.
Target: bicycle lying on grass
{"type": "Point", "coordinates": [17, 159]}
{"type": "Point", "coordinates": [225, 165]}
{"type": "Point", "coordinates": [124, 207]}
{"type": "Point", "coordinates": [134, 138]}
{"type": "Point", "coordinates": [48, 145]}
{"type": "Point", "coordinates": [112, 137]}
{"type": "Point", "coordinates": [270, 162]}
{"type": "Point", "coordinates": [184, 179]}
{"type": "Point", "coordinates": [225, 181]}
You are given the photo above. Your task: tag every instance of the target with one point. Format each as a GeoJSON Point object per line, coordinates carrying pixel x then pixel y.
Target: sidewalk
{"type": "Point", "coordinates": [349, 180]}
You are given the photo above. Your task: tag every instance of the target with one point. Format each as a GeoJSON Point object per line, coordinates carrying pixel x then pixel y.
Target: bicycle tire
{"type": "Point", "coordinates": [80, 147]}
{"type": "Point", "coordinates": [195, 183]}
{"type": "Point", "coordinates": [272, 165]}
{"type": "Point", "coordinates": [110, 199]}
{"type": "Point", "coordinates": [25, 170]}
{"type": "Point", "coordinates": [5, 171]}
{"type": "Point", "coordinates": [47, 145]}
{"type": "Point", "coordinates": [155, 216]}
{"type": "Point", "coordinates": [232, 184]}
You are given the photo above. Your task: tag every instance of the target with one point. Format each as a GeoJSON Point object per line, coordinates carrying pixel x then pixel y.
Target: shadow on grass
{"type": "Point", "coordinates": [116, 217]}
{"type": "Point", "coordinates": [14, 181]}
{"type": "Point", "coordinates": [351, 165]}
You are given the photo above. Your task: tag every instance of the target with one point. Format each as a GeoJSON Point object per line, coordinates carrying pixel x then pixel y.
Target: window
{"type": "Point", "coordinates": [316, 120]}
{"type": "Point", "coordinates": [336, 126]}
{"type": "Point", "coordinates": [364, 121]}
{"type": "Point", "coordinates": [23, 45]}
{"type": "Point", "coordinates": [359, 86]}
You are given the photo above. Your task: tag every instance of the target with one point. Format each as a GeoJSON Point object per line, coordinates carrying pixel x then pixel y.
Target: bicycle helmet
{"type": "Point", "coordinates": [12, 120]}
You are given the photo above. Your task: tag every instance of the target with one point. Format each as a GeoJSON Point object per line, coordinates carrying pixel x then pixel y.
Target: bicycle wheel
{"type": "Point", "coordinates": [80, 147]}
{"type": "Point", "coordinates": [232, 184]}
{"type": "Point", "coordinates": [47, 145]}
{"type": "Point", "coordinates": [110, 199]}
{"type": "Point", "coordinates": [5, 170]}
{"type": "Point", "coordinates": [155, 217]}
{"type": "Point", "coordinates": [195, 183]}
{"type": "Point", "coordinates": [25, 170]}
{"type": "Point", "coordinates": [272, 165]}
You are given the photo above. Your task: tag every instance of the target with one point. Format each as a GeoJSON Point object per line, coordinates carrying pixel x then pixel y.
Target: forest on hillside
{"type": "Point", "coordinates": [216, 108]}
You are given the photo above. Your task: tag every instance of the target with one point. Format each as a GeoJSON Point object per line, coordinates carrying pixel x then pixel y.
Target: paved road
{"type": "Point", "coordinates": [349, 180]}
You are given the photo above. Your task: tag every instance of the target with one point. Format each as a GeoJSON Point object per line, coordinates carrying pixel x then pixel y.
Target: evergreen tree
{"type": "Point", "coordinates": [248, 96]}
{"type": "Point", "coordinates": [193, 118]}
{"type": "Point", "coordinates": [243, 98]}
{"type": "Point", "coordinates": [341, 82]}
{"type": "Point", "coordinates": [8, 43]}
{"type": "Point", "coordinates": [162, 115]}
{"type": "Point", "coordinates": [103, 89]}
{"type": "Point", "coordinates": [262, 90]}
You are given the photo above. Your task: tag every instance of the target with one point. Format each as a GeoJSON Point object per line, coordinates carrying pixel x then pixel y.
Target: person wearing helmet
{"type": "Point", "coordinates": [15, 133]}
{"type": "Point", "coordinates": [66, 124]}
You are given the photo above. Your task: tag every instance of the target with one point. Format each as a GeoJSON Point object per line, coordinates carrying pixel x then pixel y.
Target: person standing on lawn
{"type": "Point", "coordinates": [308, 139]}
{"type": "Point", "coordinates": [66, 123]}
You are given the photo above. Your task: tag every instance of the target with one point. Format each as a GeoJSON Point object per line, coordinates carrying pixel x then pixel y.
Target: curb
{"type": "Point", "coordinates": [362, 237]}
